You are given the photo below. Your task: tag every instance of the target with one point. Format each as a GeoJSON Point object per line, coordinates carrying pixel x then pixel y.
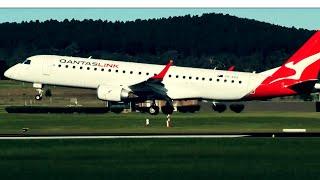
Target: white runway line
{"type": "Point", "coordinates": [294, 130]}
{"type": "Point", "coordinates": [122, 137]}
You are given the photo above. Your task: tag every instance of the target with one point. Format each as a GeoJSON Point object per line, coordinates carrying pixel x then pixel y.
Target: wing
{"type": "Point", "coordinates": [153, 87]}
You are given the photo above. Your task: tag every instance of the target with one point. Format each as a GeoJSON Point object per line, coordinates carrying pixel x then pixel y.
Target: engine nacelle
{"type": "Point", "coordinates": [219, 107]}
{"type": "Point", "coordinates": [112, 93]}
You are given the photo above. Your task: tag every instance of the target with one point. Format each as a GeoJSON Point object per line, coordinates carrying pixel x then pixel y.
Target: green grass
{"type": "Point", "coordinates": [242, 158]}
{"type": "Point", "coordinates": [239, 158]}
{"type": "Point", "coordinates": [183, 123]}
{"type": "Point", "coordinates": [8, 84]}
{"type": "Point", "coordinates": [13, 93]}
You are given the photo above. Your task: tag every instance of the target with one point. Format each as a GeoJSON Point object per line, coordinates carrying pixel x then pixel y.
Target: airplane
{"type": "Point", "coordinates": [117, 81]}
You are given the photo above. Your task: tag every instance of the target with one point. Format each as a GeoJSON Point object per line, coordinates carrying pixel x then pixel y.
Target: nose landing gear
{"type": "Point", "coordinates": [38, 97]}
{"type": "Point", "coordinates": [38, 87]}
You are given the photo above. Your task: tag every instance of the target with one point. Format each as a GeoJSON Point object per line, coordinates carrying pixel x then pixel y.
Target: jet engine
{"type": "Point", "coordinates": [238, 108]}
{"type": "Point", "coordinates": [219, 107]}
{"type": "Point", "coordinates": [114, 93]}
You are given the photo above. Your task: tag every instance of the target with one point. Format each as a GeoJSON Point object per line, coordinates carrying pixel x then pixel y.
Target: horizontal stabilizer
{"type": "Point", "coordinates": [304, 87]}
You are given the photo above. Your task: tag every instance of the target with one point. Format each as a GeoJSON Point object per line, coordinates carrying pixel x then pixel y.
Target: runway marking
{"type": "Point", "coordinates": [121, 137]}
{"type": "Point", "coordinates": [294, 130]}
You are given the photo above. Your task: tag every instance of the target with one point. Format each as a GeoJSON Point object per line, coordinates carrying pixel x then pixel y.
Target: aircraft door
{"type": "Point", "coordinates": [47, 68]}
{"type": "Point", "coordinates": [251, 85]}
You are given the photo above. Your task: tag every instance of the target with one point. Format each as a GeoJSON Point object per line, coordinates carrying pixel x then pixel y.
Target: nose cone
{"type": "Point", "coordinates": [11, 72]}
{"type": "Point", "coordinates": [8, 73]}
{"type": "Point", "coordinates": [15, 73]}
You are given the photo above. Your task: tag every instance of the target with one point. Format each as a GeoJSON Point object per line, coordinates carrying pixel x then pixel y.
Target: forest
{"type": "Point", "coordinates": [206, 41]}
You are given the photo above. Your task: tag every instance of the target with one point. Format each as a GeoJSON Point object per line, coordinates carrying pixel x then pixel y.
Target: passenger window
{"type": "Point", "coordinates": [102, 69]}
{"type": "Point", "coordinates": [66, 66]}
{"type": "Point", "coordinates": [73, 67]}
{"type": "Point", "coordinates": [147, 74]}
{"type": "Point", "coordinates": [139, 73]}
{"type": "Point", "coordinates": [124, 71]}
{"type": "Point", "coordinates": [197, 78]}
{"type": "Point", "coordinates": [218, 80]}
{"type": "Point", "coordinates": [117, 70]}
{"type": "Point", "coordinates": [183, 77]}
{"type": "Point", "coordinates": [95, 69]}
{"type": "Point", "coordinates": [190, 77]}
{"type": "Point", "coordinates": [240, 82]}
{"type": "Point", "coordinates": [203, 79]}
{"type": "Point", "coordinates": [225, 80]}
{"type": "Point", "coordinates": [109, 70]}
{"type": "Point", "coordinates": [169, 75]}
{"type": "Point", "coordinates": [59, 65]}
{"type": "Point", "coordinates": [232, 81]}
{"type": "Point", "coordinates": [177, 76]}
{"type": "Point", "coordinates": [80, 67]}
{"type": "Point", "coordinates": [131, 72]}
{"type": "Point", "coordinates": [88, 68]}
{"type": "Point", "coordinates": [210, 79]}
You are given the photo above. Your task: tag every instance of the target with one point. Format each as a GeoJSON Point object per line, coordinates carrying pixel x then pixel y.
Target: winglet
{"type": "Point", "coordinates": [231, 68]}
{"type": "Point", "coordinates": [164, 71]}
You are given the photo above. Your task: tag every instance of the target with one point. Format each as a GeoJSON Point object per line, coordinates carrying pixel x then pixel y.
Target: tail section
{"type": "Point", "coordinates": [309, 48]}
{"type": "Point", "coordinates": [297, 75]}
{"type": "Point", "coordinates": [304, 65]}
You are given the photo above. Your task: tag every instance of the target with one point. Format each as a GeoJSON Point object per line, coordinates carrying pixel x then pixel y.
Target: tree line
{"type": "Point", "coordinates": [206, 41]}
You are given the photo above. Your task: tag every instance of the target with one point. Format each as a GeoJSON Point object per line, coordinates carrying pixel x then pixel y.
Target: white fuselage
{"type": "Point", "coordinates": [181, 82]}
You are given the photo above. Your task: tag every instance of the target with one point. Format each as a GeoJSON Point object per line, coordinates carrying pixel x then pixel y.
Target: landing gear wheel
{"type": "Point", "coordinates": [38, 97]}
{"type": "Point", "coordinates": [153, 110]}
{"type": "Point", "coordinates": [168, 109]}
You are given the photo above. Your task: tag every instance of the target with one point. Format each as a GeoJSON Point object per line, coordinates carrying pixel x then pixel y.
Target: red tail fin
{"type": "Point", "coordinates": [231, 68]}
{"type": "Point", "coordinates": [309, 48]}
{"type": "Point", "coordinates": [301, 66]}
{"type": "Point", "coordinates": [297, 75]}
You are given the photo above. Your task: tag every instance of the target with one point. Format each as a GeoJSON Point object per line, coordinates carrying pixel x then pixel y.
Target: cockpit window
{"type": "Point", "coordinates": [27, 61]}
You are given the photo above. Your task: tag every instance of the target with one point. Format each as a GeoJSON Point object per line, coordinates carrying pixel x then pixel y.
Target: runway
{"type": "Point", "coordinates": [154, 136]}
{"type": "Point", "coordinates": [120, 137]}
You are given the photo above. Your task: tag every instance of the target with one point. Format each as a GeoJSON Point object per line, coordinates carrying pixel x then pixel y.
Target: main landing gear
{"type": "Point", "coordinates": [153, 109]}
{"type": "Point", "coordinates": [166, 109]}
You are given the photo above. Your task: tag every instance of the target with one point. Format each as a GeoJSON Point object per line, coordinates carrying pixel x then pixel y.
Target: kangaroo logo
{"type": "Point", "coordinates": [299, 67]}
